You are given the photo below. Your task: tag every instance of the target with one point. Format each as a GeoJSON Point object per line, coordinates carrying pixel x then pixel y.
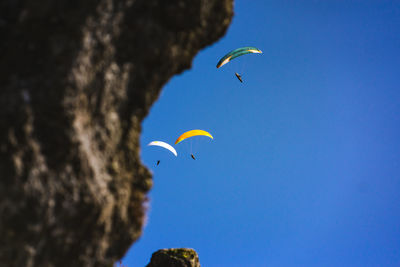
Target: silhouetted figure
{"type": "Point", "coordinates": [158, 162]}
{"type": "Point", "coordinates": [192, 156]}
{"type": "Point", "coordinates": [239, 77]}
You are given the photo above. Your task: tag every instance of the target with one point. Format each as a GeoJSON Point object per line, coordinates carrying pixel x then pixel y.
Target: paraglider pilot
{"type": "Point", "coordinates": [239, 77]}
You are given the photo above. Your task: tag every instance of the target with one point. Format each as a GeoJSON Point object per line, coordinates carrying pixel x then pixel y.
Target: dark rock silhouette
{"type": "Point", "coordinates": [76, 80]}
{"type": "Point", "coordinates": [174, 257]}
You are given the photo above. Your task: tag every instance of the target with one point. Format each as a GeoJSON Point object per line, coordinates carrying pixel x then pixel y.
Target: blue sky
{"type": "Point", "coordinates": [304, 168]}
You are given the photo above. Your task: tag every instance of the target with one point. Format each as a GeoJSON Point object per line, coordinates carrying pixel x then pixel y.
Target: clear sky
{"type": "Point", "coordinates": [304, 168]}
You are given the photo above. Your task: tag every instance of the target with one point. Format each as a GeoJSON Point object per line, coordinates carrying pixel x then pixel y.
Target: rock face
{"type": "Point", "coordinates": [76, 80]}
{"type": "Point", "coordinates": [174, 257]}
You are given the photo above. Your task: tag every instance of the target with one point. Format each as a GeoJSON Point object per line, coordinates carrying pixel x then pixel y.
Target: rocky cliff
{"type": "Point", "coordinates": [76, 80]}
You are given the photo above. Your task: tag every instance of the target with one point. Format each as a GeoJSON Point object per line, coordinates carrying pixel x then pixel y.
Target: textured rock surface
{"type": "Point", "coordinates": [174, 257]}
{"type": "Point", "coordinates": [76, 80]}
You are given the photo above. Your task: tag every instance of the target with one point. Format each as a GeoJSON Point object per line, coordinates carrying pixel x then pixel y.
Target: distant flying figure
{"type": "Point", "coordinates": [163, 145]}
{"type": "Point", "coordinates": [239, 77]}
{"type": "Point", "coordinates": [190, 134]}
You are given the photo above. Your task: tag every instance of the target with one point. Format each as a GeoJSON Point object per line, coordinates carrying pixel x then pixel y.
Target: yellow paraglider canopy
{"type": "Point", "coordinates": [191, 134]}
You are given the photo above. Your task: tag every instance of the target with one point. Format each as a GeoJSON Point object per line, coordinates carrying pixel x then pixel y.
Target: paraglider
{"type": "Point", "coordinates": [236, 53]}
{"type": "Point", "coordinates": [163, 145]}
{"type": "Point", "coordinates": [191, 134]}
{"type": "Point", "coordinates": [239, 77]}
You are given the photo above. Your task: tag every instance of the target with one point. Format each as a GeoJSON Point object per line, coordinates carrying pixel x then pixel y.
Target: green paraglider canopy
{"type": "Point", "coordinates": [236, 53]}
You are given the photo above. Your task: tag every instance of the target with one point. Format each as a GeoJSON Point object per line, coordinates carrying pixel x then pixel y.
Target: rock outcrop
{"type": "Point", "coordinates": [76, 80]}
{"type": "Point", "coordinates": [174, 257]}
